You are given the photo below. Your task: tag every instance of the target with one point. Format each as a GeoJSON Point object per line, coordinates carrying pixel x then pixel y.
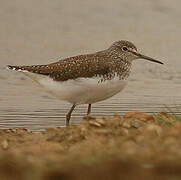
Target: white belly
{"type": "Point", "coordinates": [81, 90]}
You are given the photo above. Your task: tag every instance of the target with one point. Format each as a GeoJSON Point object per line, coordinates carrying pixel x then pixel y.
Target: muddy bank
{"type": "Point", "coordinates": [133, 146]}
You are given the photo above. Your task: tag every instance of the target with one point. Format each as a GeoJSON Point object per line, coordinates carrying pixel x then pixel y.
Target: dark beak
{"type": "Point", "coordinates": [146, 57]}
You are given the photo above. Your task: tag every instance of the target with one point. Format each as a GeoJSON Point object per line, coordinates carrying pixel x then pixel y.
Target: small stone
{"type": "Point", "coordinates": [136, 124]}
{"type": "Point", "coordinates": [100, 121]}
{"type": "Point", "coordinates": [7, 131]}
{"type": "Point", "coordinates": [125, 124]}
{"type": "Point", "coordinates": [14, 130]}
{"type": "Point", "coordinates": [94, 123]}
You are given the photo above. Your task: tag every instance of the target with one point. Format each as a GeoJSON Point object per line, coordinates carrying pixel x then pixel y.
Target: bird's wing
{"type": "Point", "coordinates": [70, 68]}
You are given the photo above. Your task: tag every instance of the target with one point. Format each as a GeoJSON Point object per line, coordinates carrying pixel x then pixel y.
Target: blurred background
{"type": "Point", "coordinates": [37, 32]}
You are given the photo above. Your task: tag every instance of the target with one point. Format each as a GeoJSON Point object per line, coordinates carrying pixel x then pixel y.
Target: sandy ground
{"type": "Point", "coordinates": [133, 146]}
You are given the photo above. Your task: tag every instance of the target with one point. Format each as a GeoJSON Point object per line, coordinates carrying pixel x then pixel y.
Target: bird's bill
{"type": "Point", "coordinates": [146, 57]}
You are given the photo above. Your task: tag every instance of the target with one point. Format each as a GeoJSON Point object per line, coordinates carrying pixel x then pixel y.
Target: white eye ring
{"type": "Point", "coordinates": [124, 48]}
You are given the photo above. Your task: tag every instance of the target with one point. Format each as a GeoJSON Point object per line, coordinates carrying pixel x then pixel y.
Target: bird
{"type": "Point", "coordinates": [87, 78]}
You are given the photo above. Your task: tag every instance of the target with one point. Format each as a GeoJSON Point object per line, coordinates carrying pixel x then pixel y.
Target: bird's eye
{"type": "Point", "coordinates": [124, 48]}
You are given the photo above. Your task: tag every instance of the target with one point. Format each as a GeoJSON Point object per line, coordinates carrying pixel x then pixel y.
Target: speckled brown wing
{"type": "Point", "coordinates": [89, 65]}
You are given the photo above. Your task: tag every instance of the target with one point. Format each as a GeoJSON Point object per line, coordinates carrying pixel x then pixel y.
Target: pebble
{"type": "Point", "coordinates": [100, 121]}
{"type": "Point", "coordinates": [136, 124]}
{"type": "Point", "coordinates": [125, 124]}
{"type": "Point", "coordinates": [94, 123]}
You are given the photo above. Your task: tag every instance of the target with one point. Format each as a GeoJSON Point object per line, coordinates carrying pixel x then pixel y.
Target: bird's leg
{"type": "Point", "coordinates": [68, 116]}
{"type": "Point", "coordinates": [89, 110]}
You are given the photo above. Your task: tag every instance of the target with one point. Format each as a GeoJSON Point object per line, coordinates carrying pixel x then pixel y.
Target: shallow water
{"type": "Point", "coordinates": [33, 32]}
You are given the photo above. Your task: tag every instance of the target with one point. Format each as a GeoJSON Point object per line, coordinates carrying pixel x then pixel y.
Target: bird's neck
{"type": "Point", "coordinates": [118, 66]}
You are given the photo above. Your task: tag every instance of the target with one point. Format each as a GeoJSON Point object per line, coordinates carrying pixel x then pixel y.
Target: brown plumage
{"type": "Point", "coordinates": [71, 68]}
{"type": "Point", "coordinates": [104, 63]}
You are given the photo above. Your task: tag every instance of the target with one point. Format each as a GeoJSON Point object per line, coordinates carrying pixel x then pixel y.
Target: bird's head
{"type": "Point", "coordinates": [128, 52]}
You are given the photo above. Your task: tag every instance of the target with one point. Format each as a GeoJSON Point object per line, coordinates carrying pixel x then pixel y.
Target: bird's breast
{"type": "Point", "coordinates": [83, 90]}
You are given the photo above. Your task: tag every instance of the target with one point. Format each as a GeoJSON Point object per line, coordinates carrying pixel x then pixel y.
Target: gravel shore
{"type": "Point", "coordinates": [133, 146]}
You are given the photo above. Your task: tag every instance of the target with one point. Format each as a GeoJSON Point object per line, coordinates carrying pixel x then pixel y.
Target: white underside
{"type": "Point", "coordinates": [81, 90]}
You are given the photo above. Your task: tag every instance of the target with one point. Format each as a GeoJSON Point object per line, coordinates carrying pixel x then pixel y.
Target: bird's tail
{"type": "Point", "coordinates": [39, 69]}
{"type": "Point", "coordinates": [16, 68]}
